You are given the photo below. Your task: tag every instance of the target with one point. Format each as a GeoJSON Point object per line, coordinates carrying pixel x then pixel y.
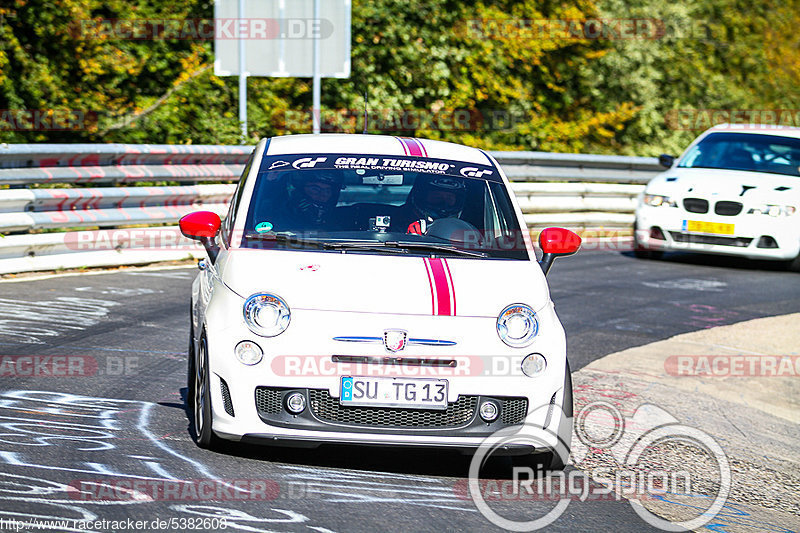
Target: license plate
{"type": "Point", "coordinates": [394, 392]}
{"type": "Point", "coordinates": [698, 226]}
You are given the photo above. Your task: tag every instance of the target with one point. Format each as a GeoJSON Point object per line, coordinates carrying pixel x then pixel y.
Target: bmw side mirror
{"type": "Point", "coordinates": [202, 226]}
{"type": "Point", "coordinates": [557, 242]}
{"type": "Point", "coordinates": [666, 160]}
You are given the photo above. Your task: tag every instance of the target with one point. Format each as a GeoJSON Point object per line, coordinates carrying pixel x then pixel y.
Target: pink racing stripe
{"type": "Point", "coordinates": [412, 147]}
{"type": "Point", "coordinates": [450, 285]}
{"type": "Point", "coordinates": [442, 290]}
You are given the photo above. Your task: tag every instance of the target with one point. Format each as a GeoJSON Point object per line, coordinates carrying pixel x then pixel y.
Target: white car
{"type": "Point", "coordinates": [374, 290]}
{"type": "Point", "coordinates": [734, 191]}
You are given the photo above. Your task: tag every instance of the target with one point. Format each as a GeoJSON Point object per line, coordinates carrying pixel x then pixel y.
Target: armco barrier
{"type": "Point", "coordinates": [574, 190]}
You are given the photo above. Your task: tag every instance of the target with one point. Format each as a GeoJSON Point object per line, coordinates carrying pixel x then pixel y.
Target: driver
{"type": "Point", "coordinates": [312, 198]}
{"type": "Point", "coordinates": [431, 198]}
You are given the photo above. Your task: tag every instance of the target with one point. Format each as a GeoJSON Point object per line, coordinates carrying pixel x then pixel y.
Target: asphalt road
{"type": "Point", "coordinates": [120, 417]}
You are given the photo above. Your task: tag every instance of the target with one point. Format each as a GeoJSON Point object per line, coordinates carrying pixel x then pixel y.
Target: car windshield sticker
{"type": "Point", "coordinates": [263, 227]}
{"type": "Point", "coordinates": [376, 169]}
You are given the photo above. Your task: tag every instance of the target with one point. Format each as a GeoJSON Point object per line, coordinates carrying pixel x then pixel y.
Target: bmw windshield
{"type": "Point", "coordinates": [746, 151]}
{"type": "Point", "coordinates": [382, 204]}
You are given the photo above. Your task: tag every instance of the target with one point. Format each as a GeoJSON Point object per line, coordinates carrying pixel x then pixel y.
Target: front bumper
{"type": "Point", "coordinates": [234, 386]}
{"type": "Point", "coordinates": [754, 236]}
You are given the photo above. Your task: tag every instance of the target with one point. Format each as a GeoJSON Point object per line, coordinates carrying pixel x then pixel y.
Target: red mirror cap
{"type": "Point", "coordinates": [200, 224]}
{"type": "Point", "coordinates": [559, 241]}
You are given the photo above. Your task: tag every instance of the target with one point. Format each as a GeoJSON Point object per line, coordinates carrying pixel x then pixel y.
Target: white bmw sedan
{"type": "Point", "coordinates": [734, 191]}
{"type": "Point", "coordinates": [375, 290]}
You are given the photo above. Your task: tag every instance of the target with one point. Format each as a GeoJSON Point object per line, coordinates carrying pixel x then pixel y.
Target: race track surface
{"type": "Point", "coordinates": [121, 417]}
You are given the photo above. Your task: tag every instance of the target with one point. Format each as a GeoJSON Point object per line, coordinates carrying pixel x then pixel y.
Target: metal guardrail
{"type": "Point", "coordinates": [575, 190]}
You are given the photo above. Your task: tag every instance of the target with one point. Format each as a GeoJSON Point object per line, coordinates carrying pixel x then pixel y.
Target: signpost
{"type": "Point", "coordinates": [282, 38]}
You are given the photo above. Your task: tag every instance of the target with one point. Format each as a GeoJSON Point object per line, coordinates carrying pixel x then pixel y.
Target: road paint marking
{"type": "Point", "coordinates": [31, 321]}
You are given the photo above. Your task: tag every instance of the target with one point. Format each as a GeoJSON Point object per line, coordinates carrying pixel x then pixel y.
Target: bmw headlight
{"type": "Point", "coordinates": [266, 314]}
{"type": "Point", "coordinates": [656, 200]}
{"type": "Point", "coordinates": [517, 325]}
{"type": "Point", "coordinates": [773, 210]}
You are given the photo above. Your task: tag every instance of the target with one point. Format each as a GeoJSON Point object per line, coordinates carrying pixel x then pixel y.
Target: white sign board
{"type": "Point", "coordinates": [279, 38]}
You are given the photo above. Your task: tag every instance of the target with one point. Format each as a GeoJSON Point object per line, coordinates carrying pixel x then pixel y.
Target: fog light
{"type": "Point", "coordinates": [656, 233]}
{"type": "Point", "coordinates": [489, 411]}
{"type": "Point", "coordinates": [296, 403]}
{"type": "Point", "coordinates": [533, 365]}
{"type": "Point", "coordinates": [248, 353]}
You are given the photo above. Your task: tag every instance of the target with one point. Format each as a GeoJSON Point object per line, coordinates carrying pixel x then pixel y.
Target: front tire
{"type": "Point", "coordinates": [794, 264]}
{"type": "Point", "coordinates": [551, 460]}
{"type": "Point", "coordinates": [199, 395]}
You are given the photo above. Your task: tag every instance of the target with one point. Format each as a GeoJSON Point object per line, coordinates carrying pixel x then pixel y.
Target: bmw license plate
{"type": "Point", "coordinates": [699, 226]}
{"type": "Point", "coordinates": [394, 392]}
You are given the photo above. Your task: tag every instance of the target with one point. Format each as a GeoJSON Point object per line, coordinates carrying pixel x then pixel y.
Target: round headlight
{"type": "Point", "coordinates": [266, 314]}
{"type": "Point", "coordinates": [517, 325]}
{"type": "Point", "coordinates": [533, 365]}
{"type": "Point", "coordinates": [248, 352]}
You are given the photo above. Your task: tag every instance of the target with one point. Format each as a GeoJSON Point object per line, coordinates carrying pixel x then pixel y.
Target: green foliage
{"type": "Point", "coordinates": [519, 89]}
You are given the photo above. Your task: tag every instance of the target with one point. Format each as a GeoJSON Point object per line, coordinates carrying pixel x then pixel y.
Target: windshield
{"type": "Point", "coordinates": [743, 151]}
{"type": "Point", "coordinates": [382, 204]}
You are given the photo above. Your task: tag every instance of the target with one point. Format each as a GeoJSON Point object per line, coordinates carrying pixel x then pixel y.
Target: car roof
{"type": "Point", "coordinates": [756, 129]}
{"type": "Point", "coordinates": [350, 143]}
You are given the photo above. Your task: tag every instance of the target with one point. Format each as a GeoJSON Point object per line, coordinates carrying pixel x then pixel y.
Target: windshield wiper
{"type": "Point", "coordinates": [289, 238]}
{"type": "Point", "coordinates": [377, 246]}
{"type": "Point", "coordinates": [285, 237]}
{"type": "Point", "coordinates": [435, 247]}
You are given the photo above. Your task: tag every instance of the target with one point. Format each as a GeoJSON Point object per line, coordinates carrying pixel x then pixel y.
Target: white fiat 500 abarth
{"type": "Point", "coordinates": [734, 191]}
{"type": "Point", "coordinates": [375, 290]}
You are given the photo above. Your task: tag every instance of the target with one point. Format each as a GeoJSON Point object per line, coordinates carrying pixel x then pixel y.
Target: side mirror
{"type": "Point", "coordinates": [202, 226]}
{"type": "Point", "coordinates": [666, 160]}
{"type": "Point", "coordinates": [557, 242]}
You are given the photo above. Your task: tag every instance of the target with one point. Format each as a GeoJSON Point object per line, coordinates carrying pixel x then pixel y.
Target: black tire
{"type": "Point", "coordinates": [793, 265]}
{"type": "Point", "coordinates": [648, 254]}
{"type": "Point", "coordinates": [551, 460]}
{"type": "Point", "coordinates": [200, 397]}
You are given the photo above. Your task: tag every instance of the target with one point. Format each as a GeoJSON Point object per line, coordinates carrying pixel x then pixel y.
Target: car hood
{"type": "Point", "coordinates": [729, 184]}
{"type": "Point", "coordinates": [358, 282]}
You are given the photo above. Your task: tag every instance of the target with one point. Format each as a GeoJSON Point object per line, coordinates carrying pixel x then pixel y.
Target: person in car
{"type": "Point", "coordinates": [431, 198]}
{"type": "Point", "coordinates": [312, 198]}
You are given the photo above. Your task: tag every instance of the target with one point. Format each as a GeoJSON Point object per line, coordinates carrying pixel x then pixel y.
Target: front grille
{"type": "Point", "coordinates": [728, 209]}
{"type": "Point", "coordinates": [226, 397]}
{"type": "Point", "coordinates": [268, 400]}
{"type": "Point", "coordinates": [513, 410]}
{"type": "Point", "coordinates": [327, 409]}
{"type": "Point", "coordinates": [695, 205]}
{"type": "Point", "coordinates": [740, 242]}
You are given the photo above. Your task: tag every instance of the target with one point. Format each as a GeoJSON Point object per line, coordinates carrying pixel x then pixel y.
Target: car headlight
{"type": "Point", "coordinates": [517, 325]}
{"type": "Point", "coordinates": [266, 314]}
{"type": "Point", "coordinates": [656, 200]}
{"type": "Point", "coordinates": [773, 210]}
